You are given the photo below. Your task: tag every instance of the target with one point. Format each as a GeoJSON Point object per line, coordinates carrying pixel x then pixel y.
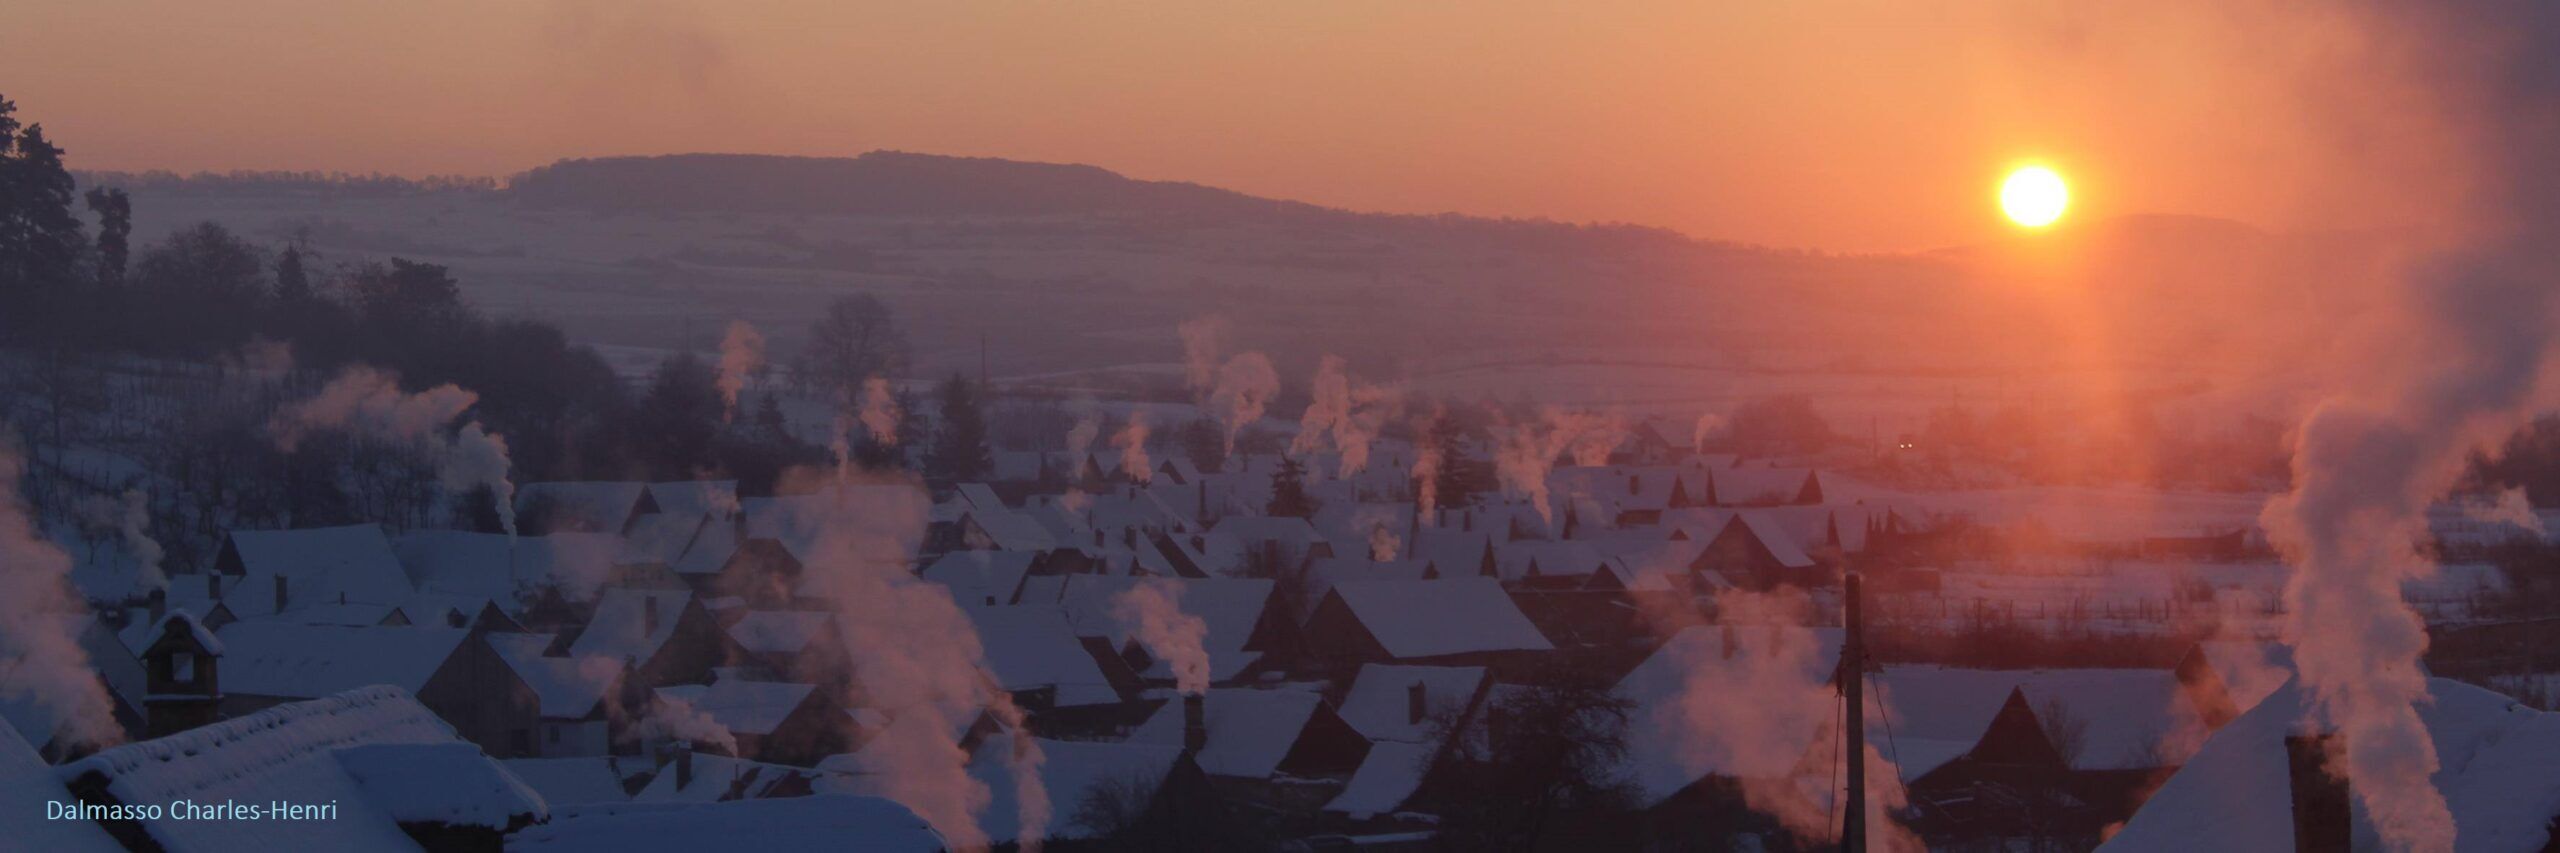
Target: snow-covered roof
{"type": "Point", "coordinates": [1012, 531]}
{"type": "Point", "coordinates": [1567, 558]}
{"type": "Point", "coordinates": [270, 658]}
{"type": "Point", "coordinates": [2494, 756]}
{"type": "Point", "coordinates": [1250, 729]}
{"type": "Point", "coordinates": [291, 752]}
{"type": "Point", "coordinates": [1449, 616]}
{"type": "Point", "coordinates": [451, 783]}
{"type": "Point", "coordinates": [981, 578]}
{"type": "Point", "coordinates": [1253, 530]}
{"type": "Point", "coordinates": [1068, 770]}
{"type": "Point", "coordinates": [719, 777]}
{"type": "Point", "coordinates": [2249, 669]}
{"type": "Point", "coordinates": [26, 786]}
{"type": "Point", "coordinates": [1379, 705]}
{"type": "Point", "coordinates": [353, 563]}
{"type": "Point", "coordinates": [581, 780]}
{"type": "Point", "coordinates": [1229, 607]}
{"type": "Point", "coordinates": [1033, 646]}
{"type": "Point", "coordinates": [569, 688]}
{"type": "Point", "coordinates": [745, 707]}
{"type": "Point", "coordinates": [826, 823]}
{"type": "Point", "coordinates": [1654, 690]}
{"type": "Point", "coordinates": [1775, 537]}
{"type": "Point", "coordinates": [1386, 777]}
{"type": "Point", "coordinates": [2135, 719]}
{"type": "Point", "coordinates": [660, 537]}
{"type": "Point", "coordinates": [621, 627]}
{"type": "Point", "coordinates": [505, 568]}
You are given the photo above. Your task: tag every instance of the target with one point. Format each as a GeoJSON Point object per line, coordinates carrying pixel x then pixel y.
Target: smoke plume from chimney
{"type": "Point", "coordinates": [1153, 610]}
{"type": "Point", "coordinates": [741, 355]}
{"type": "Point", "coordinates": [364, 400]}
{"type": "Point", "coordinates": [41, 660]}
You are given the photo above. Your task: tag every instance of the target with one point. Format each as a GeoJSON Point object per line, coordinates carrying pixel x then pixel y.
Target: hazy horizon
{"type": "Point", "coordinates": [1826, 126]}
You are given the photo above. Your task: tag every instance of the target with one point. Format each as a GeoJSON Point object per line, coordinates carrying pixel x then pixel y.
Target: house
{"type": "Point", "coordinates": [688, 776]}
{"type": "Point", "coordinates": [1684, 784]}
{"type": "Point", "coordinates": [760, 570]}
{"type": "Point", "coordinates": [181, 675]}
{"type": "Point", "coordinates": [2494, 769]}
{"type": "Point", "coordinates": [28, 788]}
{"type": "Point", "coordinates": [391, 775]}
{"type": "Point", "coordinates": [668, 636]}
{"type": "Point", "coordinates": [582, 507]}
{"type": "Point", "coordinates": [713, 499]}
{"type": "Point", "coordinates": [576, 695]}
{"type": "Point", "coordinates": [454, 672]}
{"type": "Point", "coordinates": [1968, 733]}
{"type": "Point", "coordinates": [1036, 655]}
{"type": "Point", "coordinates": [982, 578]}
{"type": "Point", "coordinates": [1407, 713]}
{"type": "Point", "coordinates": [510, 570]}
{"type": "Point", "coordinates": [1755, 552]}
{"type": "Point", "coordinates": [797, 645]}
{"type": "Point", "coordinates": [1242, 620]}
{"type": "Point", "coordinates": [1262, 732]}
{"type": "Point", "coordinates": [262, 572]}
{"type": "Point", "coordinates": [817, 824]}
{"type": "Point", "coordinates": [771, 720]}
{"type": "Point", "coordinates": [1448, 620]}
{"type": "Point", "coordinates": [1141, 796]}
{"type": "Point", "coordinates": [1764, 485]}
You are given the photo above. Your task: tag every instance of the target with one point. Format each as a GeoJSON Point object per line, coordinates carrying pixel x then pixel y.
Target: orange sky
{"type": "Point", "coordinates": [1837, 124]}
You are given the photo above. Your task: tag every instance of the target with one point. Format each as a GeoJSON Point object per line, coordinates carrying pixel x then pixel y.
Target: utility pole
{"type": "Point", "coordinates": [1853, 676]}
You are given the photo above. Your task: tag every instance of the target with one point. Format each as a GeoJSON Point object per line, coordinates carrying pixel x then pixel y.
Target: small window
{"type": "Point", "coordinates": [182, 667]}
{"type": "Point", "coordinates": [552, 733]}
{"type": "Point", "coordinates": [522, 740]}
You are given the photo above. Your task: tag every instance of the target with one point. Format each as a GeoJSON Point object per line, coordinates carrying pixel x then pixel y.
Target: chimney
{"type": "Point", "coordinates": [1129, 536]}
{"type": "Point", "coordinates": [280, 593]}
{"type": "Point", "coordinates": [1097, 537]}
{"type": "Point", "coordinates": [1415, 704]}
{"type": "Point", "coordinates": [1195, 724]}
{"type": "Point", "coordinates": [2322, 813]}
{"type": "Point", "coordinates": [159, 599]}
{"type": "Point", "coordinates": [213, 585]}
{"type": "Point", "coordinates": [684, 764]}
{"type": "Point", "coordinates": [648, 614]}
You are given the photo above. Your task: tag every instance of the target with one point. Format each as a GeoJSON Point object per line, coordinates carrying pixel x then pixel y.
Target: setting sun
{"type": "Point", "coordinates": [2034, 196]}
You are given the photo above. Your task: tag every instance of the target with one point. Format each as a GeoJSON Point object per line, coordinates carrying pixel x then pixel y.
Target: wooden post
{"type": "Point", "coordinates": [1853, 675]}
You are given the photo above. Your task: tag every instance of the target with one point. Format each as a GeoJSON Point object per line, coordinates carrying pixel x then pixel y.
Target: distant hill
{"type": "Point", "coordinates": [880, 183]}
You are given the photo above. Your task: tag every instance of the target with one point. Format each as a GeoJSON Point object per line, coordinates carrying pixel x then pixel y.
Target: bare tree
{"type": "Point", "coordinates": [858, 338]}
{"type": "Point", "coordinates": [2068, 731]}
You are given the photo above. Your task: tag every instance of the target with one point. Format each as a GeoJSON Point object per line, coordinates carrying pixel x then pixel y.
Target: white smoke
{"type": "Point", "coordinates": [913, 652]}
{"type": "Point", "coordinates": [673, 718]}
{"type": "Point", "coordinates": [133, 525]}
{"type": "Point", "coordinates": [364, 400]}
{"type": "Point", "coordinates": [1131, 441]}
{"type": "Point", "coordinates": [1344, 415]}
{"type": "Point", "coordinates": [1152, 609]}
{"type": "Point", "coordinates": [2510, 507]}
{"type": "Point", "coordinates": [741, 355]}
{"type": "Point", "coordinates": [1526, 453]}
{"type": "Point", "coordinates": [1200, 340]}
{"type": "Point", "coordinates": [1426, 462]}
{"type": "Point", "coordinates": [41, 660]}
{"type": "Point", "coordinates": [880, 411]}
{"type": "Point", "coordinates": [1708, 425]}
{"type": "Point", "coordinates": [1245, 388]}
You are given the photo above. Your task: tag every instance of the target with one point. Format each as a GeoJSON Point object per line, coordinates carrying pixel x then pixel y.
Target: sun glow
{"type": "Point", "coordinates": [2034, 196]}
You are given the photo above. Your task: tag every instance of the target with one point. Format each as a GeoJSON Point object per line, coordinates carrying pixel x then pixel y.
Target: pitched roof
{"type": "Point", "coordinates": [292, 752]}
{"type": "Point", "coordinates": [1229, 607]}
{"type": "Point", "coordinates": [26, 786]}
{"type": "Point", "coordinates": [1420, 619]}
{"type": "Point", "coordinates": [2494, 769]}
{"type": "Point", "coordinates": [1250, 730]}
{"type": "Point", "coordinates": [264, 657]}
{"type": "Point", "coordinates": [1655, 688]}
{"type": "Point", "coordinates": [352, 563]}
{"type": "Point", "coordinates": [564, 782]}
{"type": "Point", "coordinates": [2136, 719]}
{"type": "Point", "coordinates": [1033, 646]}
{"type": "Point", "coordinates": [745, 707]}
{"type": "Point", "coordinates": [981, 578]}
{"type": "Point", "coordinates": [592, 507]}
{"type": "Point", "coordinates": [1386, 778]}
{"type": "Point", "coordinates": [570, 688]}
{"type": "Point", "coordinates": [779, 631]}
{"type": "Point", "coordinates": [1379, 704]}
{"type": "Point", "coordinates": [621, 628]}
{"type": "Point", "coordinates": [698, 498]}
{"type": "Point", "coordinates": [1068, 771]}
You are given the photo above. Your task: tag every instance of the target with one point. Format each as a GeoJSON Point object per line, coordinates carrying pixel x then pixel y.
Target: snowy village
{"type": "Point", "coordinates": [910, 502]}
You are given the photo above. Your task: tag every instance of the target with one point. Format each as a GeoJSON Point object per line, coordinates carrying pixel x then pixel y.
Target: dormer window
{"type": "Point", "coordinates": [182, 667]}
